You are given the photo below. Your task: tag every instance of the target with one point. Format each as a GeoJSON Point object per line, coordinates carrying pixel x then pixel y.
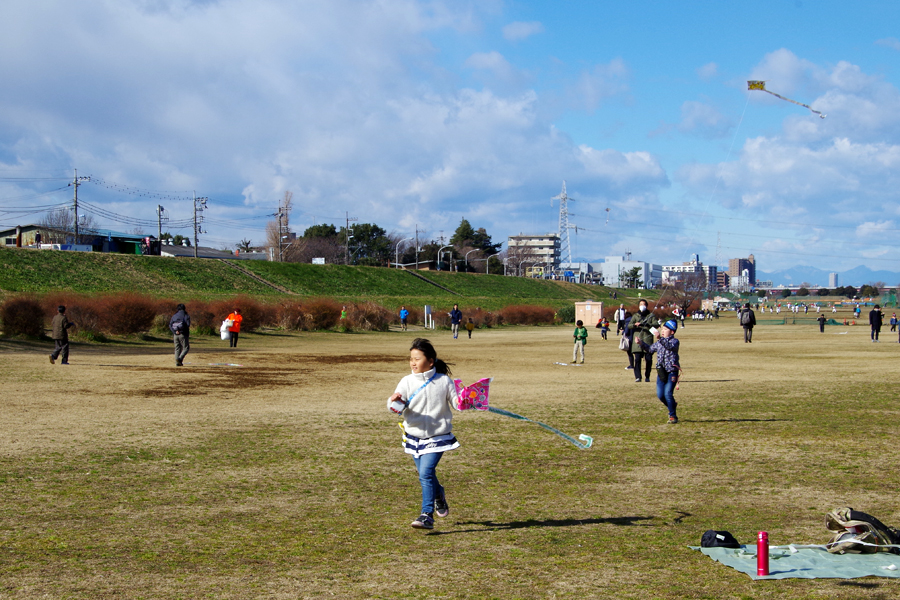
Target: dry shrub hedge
{"type": "Point", "coordinates": [368, 316]}
{"type": "Point", "coordinates": [22, 315]}
{"type": "Point", "coordinates": [527, 315]}
{"type": "Point", "coordinates": [126, 314]}
{"type": "Point", "coordinates": [322, 313]}
{"type": "Point", "coordinates": [311, 315]}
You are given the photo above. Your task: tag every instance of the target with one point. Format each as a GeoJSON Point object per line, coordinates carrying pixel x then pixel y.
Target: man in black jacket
{"type": "Point", "coordinates": [180, 324]}
{"type": "Point", "coordinates": [875, 321]}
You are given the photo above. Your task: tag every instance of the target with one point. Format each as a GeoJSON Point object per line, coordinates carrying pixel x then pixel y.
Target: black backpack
{"type": "Point", "coordinates": [718, 539]}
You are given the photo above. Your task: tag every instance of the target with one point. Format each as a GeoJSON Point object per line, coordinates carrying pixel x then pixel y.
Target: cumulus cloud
{"type": "Point", "coordinates": [599, 83]}
{"type": "Point", "coordinates": [708, 71]}
{"type": "Point", "coordinates": [703, 119]}
{"type": "Point", "coordinates": [889, 42]}
{"type": "Point", "coordinates": [520, 30]}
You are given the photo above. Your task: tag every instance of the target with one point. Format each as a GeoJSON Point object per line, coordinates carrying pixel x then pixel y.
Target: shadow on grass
{"type": "Point", "coordinates": [495, 526]}
{"type": "Point", "coordinates": [707, 380]}
{"type": "Point", "coordinates": [733, 420]}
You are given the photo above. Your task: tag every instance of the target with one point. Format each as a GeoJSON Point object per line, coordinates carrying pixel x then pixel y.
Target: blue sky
{"type": "Point", "coordinates": [410, 113]}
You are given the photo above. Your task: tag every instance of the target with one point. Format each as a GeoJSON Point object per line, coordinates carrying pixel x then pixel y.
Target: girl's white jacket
{"type": "Point", "coordinates": [429, 413]}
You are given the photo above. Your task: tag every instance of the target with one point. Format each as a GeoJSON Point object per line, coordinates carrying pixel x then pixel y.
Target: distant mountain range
{"type": "Point", "coordinates": [856, 277]}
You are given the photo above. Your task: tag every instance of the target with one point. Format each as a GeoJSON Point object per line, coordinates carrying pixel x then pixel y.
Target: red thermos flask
{"type": "Point", "coordinates": [762, 554]}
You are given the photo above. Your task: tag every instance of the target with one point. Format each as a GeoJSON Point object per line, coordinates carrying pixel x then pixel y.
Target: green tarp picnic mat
{"type": "Point", "coordinates": [808, 562]}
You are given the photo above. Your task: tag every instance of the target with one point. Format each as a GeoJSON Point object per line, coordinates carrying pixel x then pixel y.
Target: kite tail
{"type": "Point", "coordinates": [821, 116]}
{"type": "Point", "coordinates": [587, 441]}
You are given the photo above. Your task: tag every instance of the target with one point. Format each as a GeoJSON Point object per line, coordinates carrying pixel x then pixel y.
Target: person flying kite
{"type": "Point", "coordinates": [761, 86]}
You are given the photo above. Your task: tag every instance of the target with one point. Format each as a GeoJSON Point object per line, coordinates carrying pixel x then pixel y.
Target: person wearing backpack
{"type": "Point", "coordinates": [180, 325]}
{"type": "Point", "coordinates": [747, 318]}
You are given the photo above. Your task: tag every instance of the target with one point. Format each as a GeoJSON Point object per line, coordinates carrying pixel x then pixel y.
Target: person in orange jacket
{"type": "Point", "coordinates": [235, 328]}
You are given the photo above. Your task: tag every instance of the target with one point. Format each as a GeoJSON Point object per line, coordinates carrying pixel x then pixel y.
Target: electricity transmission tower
{"type": "Point", "coordinates": [565, 247]}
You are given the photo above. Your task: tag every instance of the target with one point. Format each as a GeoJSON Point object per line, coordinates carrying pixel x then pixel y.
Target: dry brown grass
{"type": "Point", "coordinates": [123, 476]}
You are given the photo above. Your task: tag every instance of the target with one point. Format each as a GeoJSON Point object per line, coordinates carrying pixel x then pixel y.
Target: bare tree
{"type": "Point", "coordinates": [58, 226]}
{"type": "Point", "coordinates": [520, 257]}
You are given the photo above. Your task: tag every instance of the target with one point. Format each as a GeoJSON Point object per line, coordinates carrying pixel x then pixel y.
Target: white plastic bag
{"type": "Point", "coordinates": [224, 331]}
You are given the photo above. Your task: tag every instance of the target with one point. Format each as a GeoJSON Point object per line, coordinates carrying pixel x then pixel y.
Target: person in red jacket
{"type": "Point", "coordinates": [235, 328]}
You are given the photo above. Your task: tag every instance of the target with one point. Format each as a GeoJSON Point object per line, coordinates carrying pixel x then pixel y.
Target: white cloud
{"type": "Point", "coordinates": [520, 30]}
{"type": "Point", "coordinates": [708, 71]}
{"type": "Point", "coordinates": [889, 42]}
{"type": "Point", "coordinates": [703, 119]}
{"type": "Point", "coordinates": [599, 83]}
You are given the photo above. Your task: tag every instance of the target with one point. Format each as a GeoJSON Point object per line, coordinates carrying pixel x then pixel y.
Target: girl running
{"type": "Point", "coordinates": [424, 399]}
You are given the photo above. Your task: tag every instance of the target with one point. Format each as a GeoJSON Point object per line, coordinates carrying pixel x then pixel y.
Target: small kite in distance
{"type": "Point", "coordinates": [761, 86]}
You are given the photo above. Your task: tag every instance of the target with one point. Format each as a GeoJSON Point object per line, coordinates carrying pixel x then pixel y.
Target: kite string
{"type": "Point", "coordinates": [587, 440]}
{"type": "Point", "coordinates": [714, 190]}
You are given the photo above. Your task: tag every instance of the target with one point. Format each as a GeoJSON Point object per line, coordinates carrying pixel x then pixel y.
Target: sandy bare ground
{"type": "Point", "coordinates": [274, 470]}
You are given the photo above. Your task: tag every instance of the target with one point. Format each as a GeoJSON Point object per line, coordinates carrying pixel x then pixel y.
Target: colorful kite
{"type": "Point", "coordinates": [473, 396]}
{"type": "Point", "coordinates": [761, 86]}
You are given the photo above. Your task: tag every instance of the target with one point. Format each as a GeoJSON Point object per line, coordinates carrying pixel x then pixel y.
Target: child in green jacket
{"type": "Point", "coordinates": [580, 336]}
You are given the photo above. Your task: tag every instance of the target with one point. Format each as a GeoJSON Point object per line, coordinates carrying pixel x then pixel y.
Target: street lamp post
{"type": "Point", "coordinates": [439, 253]}
{"type": "Point", "coordinates": [467, 258]}
{"type": "Point", "coordinates": [397, 251]}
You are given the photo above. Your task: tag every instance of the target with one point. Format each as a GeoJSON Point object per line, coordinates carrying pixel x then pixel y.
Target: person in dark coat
{"type": "Point", "coordinates": [747, 319]}
{"type": "Point", "coordinates": [180, 325]}
{"type": "Point", "coordinates": [821, 321]}
{"type": "Point", "coordinates": [60, 335]}
{"type": "Point", "coordinates": [875, 321]}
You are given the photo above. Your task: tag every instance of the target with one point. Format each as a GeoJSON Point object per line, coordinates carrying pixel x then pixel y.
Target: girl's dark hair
{"type": "Point", "coordinates": [425, 347]}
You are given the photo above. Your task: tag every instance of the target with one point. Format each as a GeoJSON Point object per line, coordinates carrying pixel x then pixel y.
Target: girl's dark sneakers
{"type": "Point", "coordinates": [441, 508]}
{"type": "Point", "coordinates": [424, 521]}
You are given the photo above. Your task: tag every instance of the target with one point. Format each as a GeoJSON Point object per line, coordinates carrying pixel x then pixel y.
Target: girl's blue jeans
{"type": "Point", "coordinates": [665, 391]}
{"type": "Point", "coordinates": [431, 487]}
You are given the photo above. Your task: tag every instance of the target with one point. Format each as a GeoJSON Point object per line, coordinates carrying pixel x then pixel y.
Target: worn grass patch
{"type": "Point", "coordinates": [122, 476]}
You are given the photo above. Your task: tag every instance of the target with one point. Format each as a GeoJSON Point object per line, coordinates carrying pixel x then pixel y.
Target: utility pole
{"type": "Point", "coordinates": [417, 246]}
{"type": "Point", "coordinates": [199, 205]}
{"type": "Point", "coordinates": [159, 219]}
{"type": "Point", "coordinates": [76, 182]}
{"type": "Point", "coordinates": [348, 236]}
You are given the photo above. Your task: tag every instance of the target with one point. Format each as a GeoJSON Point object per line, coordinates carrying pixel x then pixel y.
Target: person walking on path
{"type": "Point", "coordinates": [455, 320]}
{"type": "Point", "coordinates": [894, 322]}
{"type": "Point", "coordinates": [747, 319]}
{"type": "Point", "coordinates": [470, 327]}
{"type": "Point", "coordinates": [580, 335]}
{"type": "Point", "coordinates": [641, 325]}
{"type": "Point", "coordinates": [619, 317]}
{"type": "Point", "coordinates": [668, 366]}
{"type": "Point", "coordinates": [425, 399]}
{"type": "Point", "coordinates": [60, 336]}
{"type": "Point", "coordinates": [875, 321]}
{"type": "Point", "coordinates": [821, 321]}
{"type": "Point", "coordinates": [404, 317]}
{"type": "Point", "coordinates": [180, 325]}
{"type": "Point", "coordinates": [235, 328]}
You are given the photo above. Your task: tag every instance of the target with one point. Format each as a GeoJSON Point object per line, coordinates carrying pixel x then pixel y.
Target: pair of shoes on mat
{"type": "Point", "coordinates": [424, 521]}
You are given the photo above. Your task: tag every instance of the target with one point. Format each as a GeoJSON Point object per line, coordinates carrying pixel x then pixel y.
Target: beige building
{"type": "Point", "coordinates": [534, 251]}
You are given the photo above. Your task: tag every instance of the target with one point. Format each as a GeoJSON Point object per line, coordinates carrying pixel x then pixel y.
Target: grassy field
{"type": "Point", "coordinates": [124, 477]}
